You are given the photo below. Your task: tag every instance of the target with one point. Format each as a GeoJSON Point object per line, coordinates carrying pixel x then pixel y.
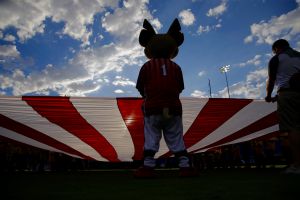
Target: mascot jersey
{"type": "Point", "coordinates": [160, 82]}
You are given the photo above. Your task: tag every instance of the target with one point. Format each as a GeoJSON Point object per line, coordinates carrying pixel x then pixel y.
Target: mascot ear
{"type": "Point", "coordinates": [146, 34]}
{"type": "Point", "coordinates": [174, 31]}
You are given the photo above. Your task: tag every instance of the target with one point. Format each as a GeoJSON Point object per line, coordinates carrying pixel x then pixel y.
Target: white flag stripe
{"type": "Point", "coordinates": [104, 115]}
{"type": "Point", "coordinates": [255, 135]}
{"type": "Point", "coordinates": [248, 137]}
{"type": "Point", "coordinates": [191, 107]}
{"type": "Point", "coordinates": [246, 116]}
{"type": "Point", "coordinates": [18, 110]}
{"type": "Point", "coordinates": [26, 140]}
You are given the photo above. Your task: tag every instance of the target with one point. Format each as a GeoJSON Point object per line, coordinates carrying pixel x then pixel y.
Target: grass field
{"type": "Point", "coordinates": [267, 184]}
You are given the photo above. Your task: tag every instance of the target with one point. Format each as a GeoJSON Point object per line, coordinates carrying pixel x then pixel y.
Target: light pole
{"type": "Point", "coordinates": [209, 87]}
{"type": "Point", "coordinates": [224, 70]}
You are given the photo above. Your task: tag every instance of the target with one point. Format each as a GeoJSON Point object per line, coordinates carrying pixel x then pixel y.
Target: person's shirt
{"type": "Point", "coordinates": [282, 66]}
{"type": "Point", "coordinates": [160, 82]}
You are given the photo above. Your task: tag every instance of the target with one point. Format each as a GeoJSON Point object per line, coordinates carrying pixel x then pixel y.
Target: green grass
{"type": "Point", "coordinates": [266, 184]}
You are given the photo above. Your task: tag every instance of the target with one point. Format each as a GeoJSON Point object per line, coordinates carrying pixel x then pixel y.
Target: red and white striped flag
{"type": "Point", "coordinates": [111, 129]}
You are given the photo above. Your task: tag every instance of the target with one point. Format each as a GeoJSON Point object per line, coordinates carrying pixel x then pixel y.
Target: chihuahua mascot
{"type": "Point", "coordinates": [160, 83]}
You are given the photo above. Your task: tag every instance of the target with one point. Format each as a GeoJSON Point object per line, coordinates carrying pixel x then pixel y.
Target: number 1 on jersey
{"type": "Point", "coordinates": [164, 70]}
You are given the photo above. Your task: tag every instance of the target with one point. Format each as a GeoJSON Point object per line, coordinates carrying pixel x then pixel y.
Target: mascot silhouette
{"type": "Point", "coordinates": [160, 83]}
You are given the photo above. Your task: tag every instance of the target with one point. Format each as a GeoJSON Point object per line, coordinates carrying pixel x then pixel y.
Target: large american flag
{"type": "Point", "coordinates": [111, 129]}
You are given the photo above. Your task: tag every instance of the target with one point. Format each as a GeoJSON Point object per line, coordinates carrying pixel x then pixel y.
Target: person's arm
{"type": "Point", "coordinates": [141, 82]}
{"type": "Point", "coordinates": [272, 71]}
{"type": "Point", "coordinates": [181, 82]}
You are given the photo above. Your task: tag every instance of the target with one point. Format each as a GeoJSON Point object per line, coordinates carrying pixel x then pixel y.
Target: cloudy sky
{"type": "Point", "coordinates": [90, 48]}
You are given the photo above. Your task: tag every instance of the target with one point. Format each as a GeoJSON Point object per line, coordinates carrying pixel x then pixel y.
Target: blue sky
{"type": "Point", "coordinates": [90, 48]}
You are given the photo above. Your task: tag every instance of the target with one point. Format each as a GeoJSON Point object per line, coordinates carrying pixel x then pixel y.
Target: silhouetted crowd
{"type": "Point", "coordinates": [265, 153]}
{"type": "Point", "coordinates": [252, 154]}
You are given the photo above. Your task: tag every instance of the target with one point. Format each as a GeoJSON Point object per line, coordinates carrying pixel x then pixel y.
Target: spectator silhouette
{"type": "Point", "coordinates": [284, 71]}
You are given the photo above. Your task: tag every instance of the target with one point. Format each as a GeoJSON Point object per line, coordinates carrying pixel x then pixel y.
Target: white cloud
{"type": "Point", "coordinates": [248, 39]}
{"type": "Point", "coordinates": [9, 38]}
{"type": "Point", "coordinates": [298, 44]}
{"type": "Point", "coordinates": [2, 93]}
{"type": "Point", "coordinates": [199, 94]}
{"type": "Point", "coordinates": [253, 87]}
{"type": "Point", "coordinates": [9, 51]}
{"type": "Point", "coordinates": [206, 29]}
{"type": "Point", "coordinates": [119, 91]}
{"type": "Point", "coordinates": [203, 29]}
{"type": "Point", "coordinates": [156, 24]}
{"type": "Point", "coordinates": [201, 73]}
{"type": "Point", "coordinates": [28, 16]}
{"type": "Point", "coordinates": [258, 75]}
{"type": "Point", "coordinates": [187, 17]}
{"type": "Point", "coordinates": [43, 92]}
{"type": "Point", "coordinates": [214, 12]}
{"type": "Point", "coordinates": [86, 71]}
{"type": "Point", "coordinates": [218, 25]}
{"type": "Point", "coordinates": [254, 61]}
{"type": "Point", "coordinates": [80, 88]}
{"type": "Point", "coordinates": [98, 38]}
{"type": "Point", "coordinates": [126, 21]}
{"type": "Point", "coordinates": [59, 80]}
{"type": "Point", "coordinates": [218, 10]}
{"type": "Point", "coordinates": [120, 81]}
{"type": "Point", "coordinates": [285, 26]}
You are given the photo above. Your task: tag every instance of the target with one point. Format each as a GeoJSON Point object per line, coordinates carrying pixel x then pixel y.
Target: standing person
{"type": "Point", "coordinates": [284, 70]}
{"type": "Point", "coordinates": [160, 83]}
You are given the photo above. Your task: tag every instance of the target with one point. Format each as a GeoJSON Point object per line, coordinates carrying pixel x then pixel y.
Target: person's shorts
{"type": "Point", "coordinates": [288, 109]}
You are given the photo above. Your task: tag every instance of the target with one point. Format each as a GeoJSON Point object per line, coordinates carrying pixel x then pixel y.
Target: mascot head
{"type": "Point", "coordinates": [161, 45]}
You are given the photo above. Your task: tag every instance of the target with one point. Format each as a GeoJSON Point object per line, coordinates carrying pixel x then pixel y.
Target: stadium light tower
{"type": "Point", "coordinates": [224, 70]}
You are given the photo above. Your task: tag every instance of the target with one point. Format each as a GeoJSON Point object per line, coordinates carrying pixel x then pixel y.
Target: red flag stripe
{"type": "Point", "coordinates": [22, 129]}
{"type": "Point", "coordinates": [18, 110]}
{"type": "Point", "coordinates": [71, 120]}
{"type": "Point", "coordinates": [243, 118]}
{"type": "Point", "coordinates": [190, 111]}
{"type": "Point", "coordinates": [130, 109]}
{"type": "Point", "coordinates": [211, 117]}
{"type": "Point", "coordinates": [11, 137]}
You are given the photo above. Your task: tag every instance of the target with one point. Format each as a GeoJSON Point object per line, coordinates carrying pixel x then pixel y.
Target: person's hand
{"type": "Point", "coordinates": [271, 99]}
{"type": "Point", "coordinates": [268, 99]}
{"type": "Point", "coordinates": [274, 99]}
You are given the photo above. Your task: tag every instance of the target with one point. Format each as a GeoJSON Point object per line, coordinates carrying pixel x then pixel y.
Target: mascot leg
{"type": "Point", "coordinates": [173, 134]}
{"type": "Point", "coordinates": [149, 160]}
{"type": "Point", "coordinates": [183, 159]}
{"type": "Point", "coordinates": [152, 133]}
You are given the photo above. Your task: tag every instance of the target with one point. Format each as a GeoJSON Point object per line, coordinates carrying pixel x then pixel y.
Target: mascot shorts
{"type": "Point", "coordinates": [170, 127]}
